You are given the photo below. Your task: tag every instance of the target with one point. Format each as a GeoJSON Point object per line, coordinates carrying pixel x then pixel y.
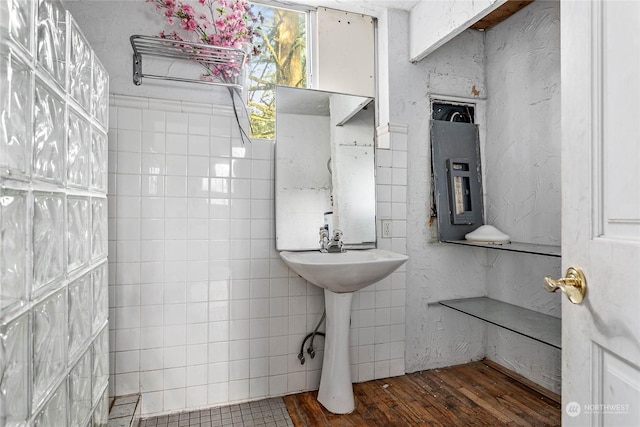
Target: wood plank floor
{"type": "Point", "coordinates": [474, 394]}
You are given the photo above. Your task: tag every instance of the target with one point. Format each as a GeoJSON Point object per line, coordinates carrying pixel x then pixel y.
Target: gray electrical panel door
{"type": "Point", "coordinates": [457, 178]}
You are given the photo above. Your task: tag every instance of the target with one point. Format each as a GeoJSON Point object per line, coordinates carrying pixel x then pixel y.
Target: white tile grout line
{"type": "Point", "coordinates": [270, 410]}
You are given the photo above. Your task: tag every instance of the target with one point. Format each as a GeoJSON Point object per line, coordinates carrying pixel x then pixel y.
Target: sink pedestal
{"type": "Point", "coordinates": [336, 390]}
{"type": "Point", "coordinates": [340, 274]}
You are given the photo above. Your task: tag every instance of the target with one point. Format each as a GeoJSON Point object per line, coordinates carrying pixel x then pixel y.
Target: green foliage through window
{"type": "Point", "coordinates": [282, 61]}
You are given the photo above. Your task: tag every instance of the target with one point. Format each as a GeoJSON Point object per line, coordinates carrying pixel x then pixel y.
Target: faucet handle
{"type": "Point", "coordinates": [337, 235]}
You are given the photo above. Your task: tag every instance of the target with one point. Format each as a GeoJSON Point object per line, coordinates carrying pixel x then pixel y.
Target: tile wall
{"type": "Point", "coordinates": [203, 311]}
{"type": "Point", "coordinates": [53, 220]}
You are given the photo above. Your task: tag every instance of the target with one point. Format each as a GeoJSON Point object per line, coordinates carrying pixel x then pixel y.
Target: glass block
{"type": "Point", "coordinates": [100, 351]}
{"type": "Point", "coordinates": [49, 344]}
{"type": "Point", "coordinates": [13, 248]}
{"type": "Point", "coordinates": [99, 227]}
{"type": "Point", "coordinates": [54, 412]}
{"type": "Point", "coordinates": [51, 39]}
{"type": "Point", "coordinates": [100, 278]}
{"type": "Point", "coordinates": [100, 93]}
{"type": "Point", "coordinates": [16, 100]}
{"type": "Point", "coordinates": [48, 148]}
{"type": "Point", "coordinates": [78, 243]}
{"type": "Point", "coordinates": [98, 160]}
{"type": "Point", "coordinates": [78, 145]}
{"type": "Point", "coordinates": [80, 392]}
{"type": "Point", "coordinates": [14, 357]}
{"type": "Point", "coordinates": [80, 307]}
{"type": "Point", "coordinates": [48, 234]}
{"type": "Point", "coordinates": [101, 413]}
{"type": "Point", "coordinates": [80, 68]}
{"type": "Point", "coordinates": [16, 22]}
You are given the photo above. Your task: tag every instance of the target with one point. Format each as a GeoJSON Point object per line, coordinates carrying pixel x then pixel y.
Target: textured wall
{"type": "Point", "coordinates": [523, 144]}
{"type": "Point", "coordinates": [513, 69]}
{"type": "Point", "coordinates": [53, 220]}
{"type": "Point", "coordinates": [523, 117]}
{"type": "Point", "coordinates": [204, 312]}
{"type": "Point", "coordinates": [436, 336]}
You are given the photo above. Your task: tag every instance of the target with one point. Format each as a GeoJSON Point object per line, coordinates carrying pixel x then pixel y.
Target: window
{"type": "Point", "coordinates": [282, 61]}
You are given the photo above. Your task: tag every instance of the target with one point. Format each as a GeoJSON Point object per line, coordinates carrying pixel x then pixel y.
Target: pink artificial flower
{"type": "Point", "coordinates": [232, 24]}
{"type": "Point", "coordinates": [191, 25]}
{"type": "Point", "coordinates": [188, 10]}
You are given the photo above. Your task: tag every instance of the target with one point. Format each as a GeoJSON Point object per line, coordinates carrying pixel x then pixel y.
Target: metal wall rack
{"type": "Point", "coordinates": [206, 55]}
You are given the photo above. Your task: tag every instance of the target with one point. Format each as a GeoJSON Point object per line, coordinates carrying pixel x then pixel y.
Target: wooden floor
{"type": "Point", "coordinates": [475, 394]}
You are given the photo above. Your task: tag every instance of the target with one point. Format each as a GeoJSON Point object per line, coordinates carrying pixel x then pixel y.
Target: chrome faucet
{"type": "Point", "coordinates": [335, 244]}
{"type": "Point", "coordinates": [324, 238]}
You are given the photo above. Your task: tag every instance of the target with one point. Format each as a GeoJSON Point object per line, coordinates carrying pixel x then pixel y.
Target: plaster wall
{"type": "Point", "coordinates": [523, 116]}
{"type": "Point", "coordinates": [523, 144]}
{"type": "Point", "coordinates": [512, 72]}
{"type": "Point", "coordinates": [435, 336]}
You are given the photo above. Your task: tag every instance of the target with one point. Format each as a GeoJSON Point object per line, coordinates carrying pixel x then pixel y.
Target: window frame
{"type": "Point", "coordinates": [311, 44]}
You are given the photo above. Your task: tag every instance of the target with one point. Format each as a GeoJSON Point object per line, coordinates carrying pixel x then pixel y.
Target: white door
{"type": "Point", "coordinates": [601, 211]}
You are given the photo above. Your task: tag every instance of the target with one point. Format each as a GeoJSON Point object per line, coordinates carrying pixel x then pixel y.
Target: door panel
{"type": "Point", "coordinates": [616, 380]}
{"type": "Point", "coordinates": [620, 115]}
{"type": "Point", "coordinates": [601, 211]}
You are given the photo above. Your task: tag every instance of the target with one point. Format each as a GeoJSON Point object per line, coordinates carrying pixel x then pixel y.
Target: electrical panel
{"type": "Point", "coordinates": [453, 112]}
{"type": "Point", "coordinates": [457, 177]}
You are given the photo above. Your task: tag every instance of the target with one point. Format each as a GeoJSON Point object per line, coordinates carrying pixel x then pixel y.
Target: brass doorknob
{"type": "Point", "coordinates": [574, 285]}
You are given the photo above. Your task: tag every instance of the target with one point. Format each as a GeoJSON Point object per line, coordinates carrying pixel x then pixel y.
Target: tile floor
{"type": "Point", "coordinates": [124, 410]}
{"type": "Point", "coordinates": [268, 413]}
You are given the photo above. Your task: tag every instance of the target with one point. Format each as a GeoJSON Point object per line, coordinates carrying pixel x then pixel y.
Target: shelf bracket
{"type": "Point", "coordinates": [137, 69]}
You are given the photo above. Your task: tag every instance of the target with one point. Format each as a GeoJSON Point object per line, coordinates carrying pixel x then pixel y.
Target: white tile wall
{"type": "Point", "coordinates": [204, 312]}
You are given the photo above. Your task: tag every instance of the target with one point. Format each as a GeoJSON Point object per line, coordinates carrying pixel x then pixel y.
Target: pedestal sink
{"type": "Point", "coordinates": [340, 274]}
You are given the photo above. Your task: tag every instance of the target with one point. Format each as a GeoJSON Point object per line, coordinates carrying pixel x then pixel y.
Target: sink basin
{"type": "Point", "coordinates": [340, 274]}
{"type": "Point", "coordinates": [346, 271]}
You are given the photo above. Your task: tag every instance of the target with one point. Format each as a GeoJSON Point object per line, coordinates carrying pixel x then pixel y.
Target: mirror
{"type": "Point", "coordinates": [324, 163]}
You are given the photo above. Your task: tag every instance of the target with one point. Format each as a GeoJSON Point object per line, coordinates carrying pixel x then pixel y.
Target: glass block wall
{"type": "Point", "coordinates": [53, 220]}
